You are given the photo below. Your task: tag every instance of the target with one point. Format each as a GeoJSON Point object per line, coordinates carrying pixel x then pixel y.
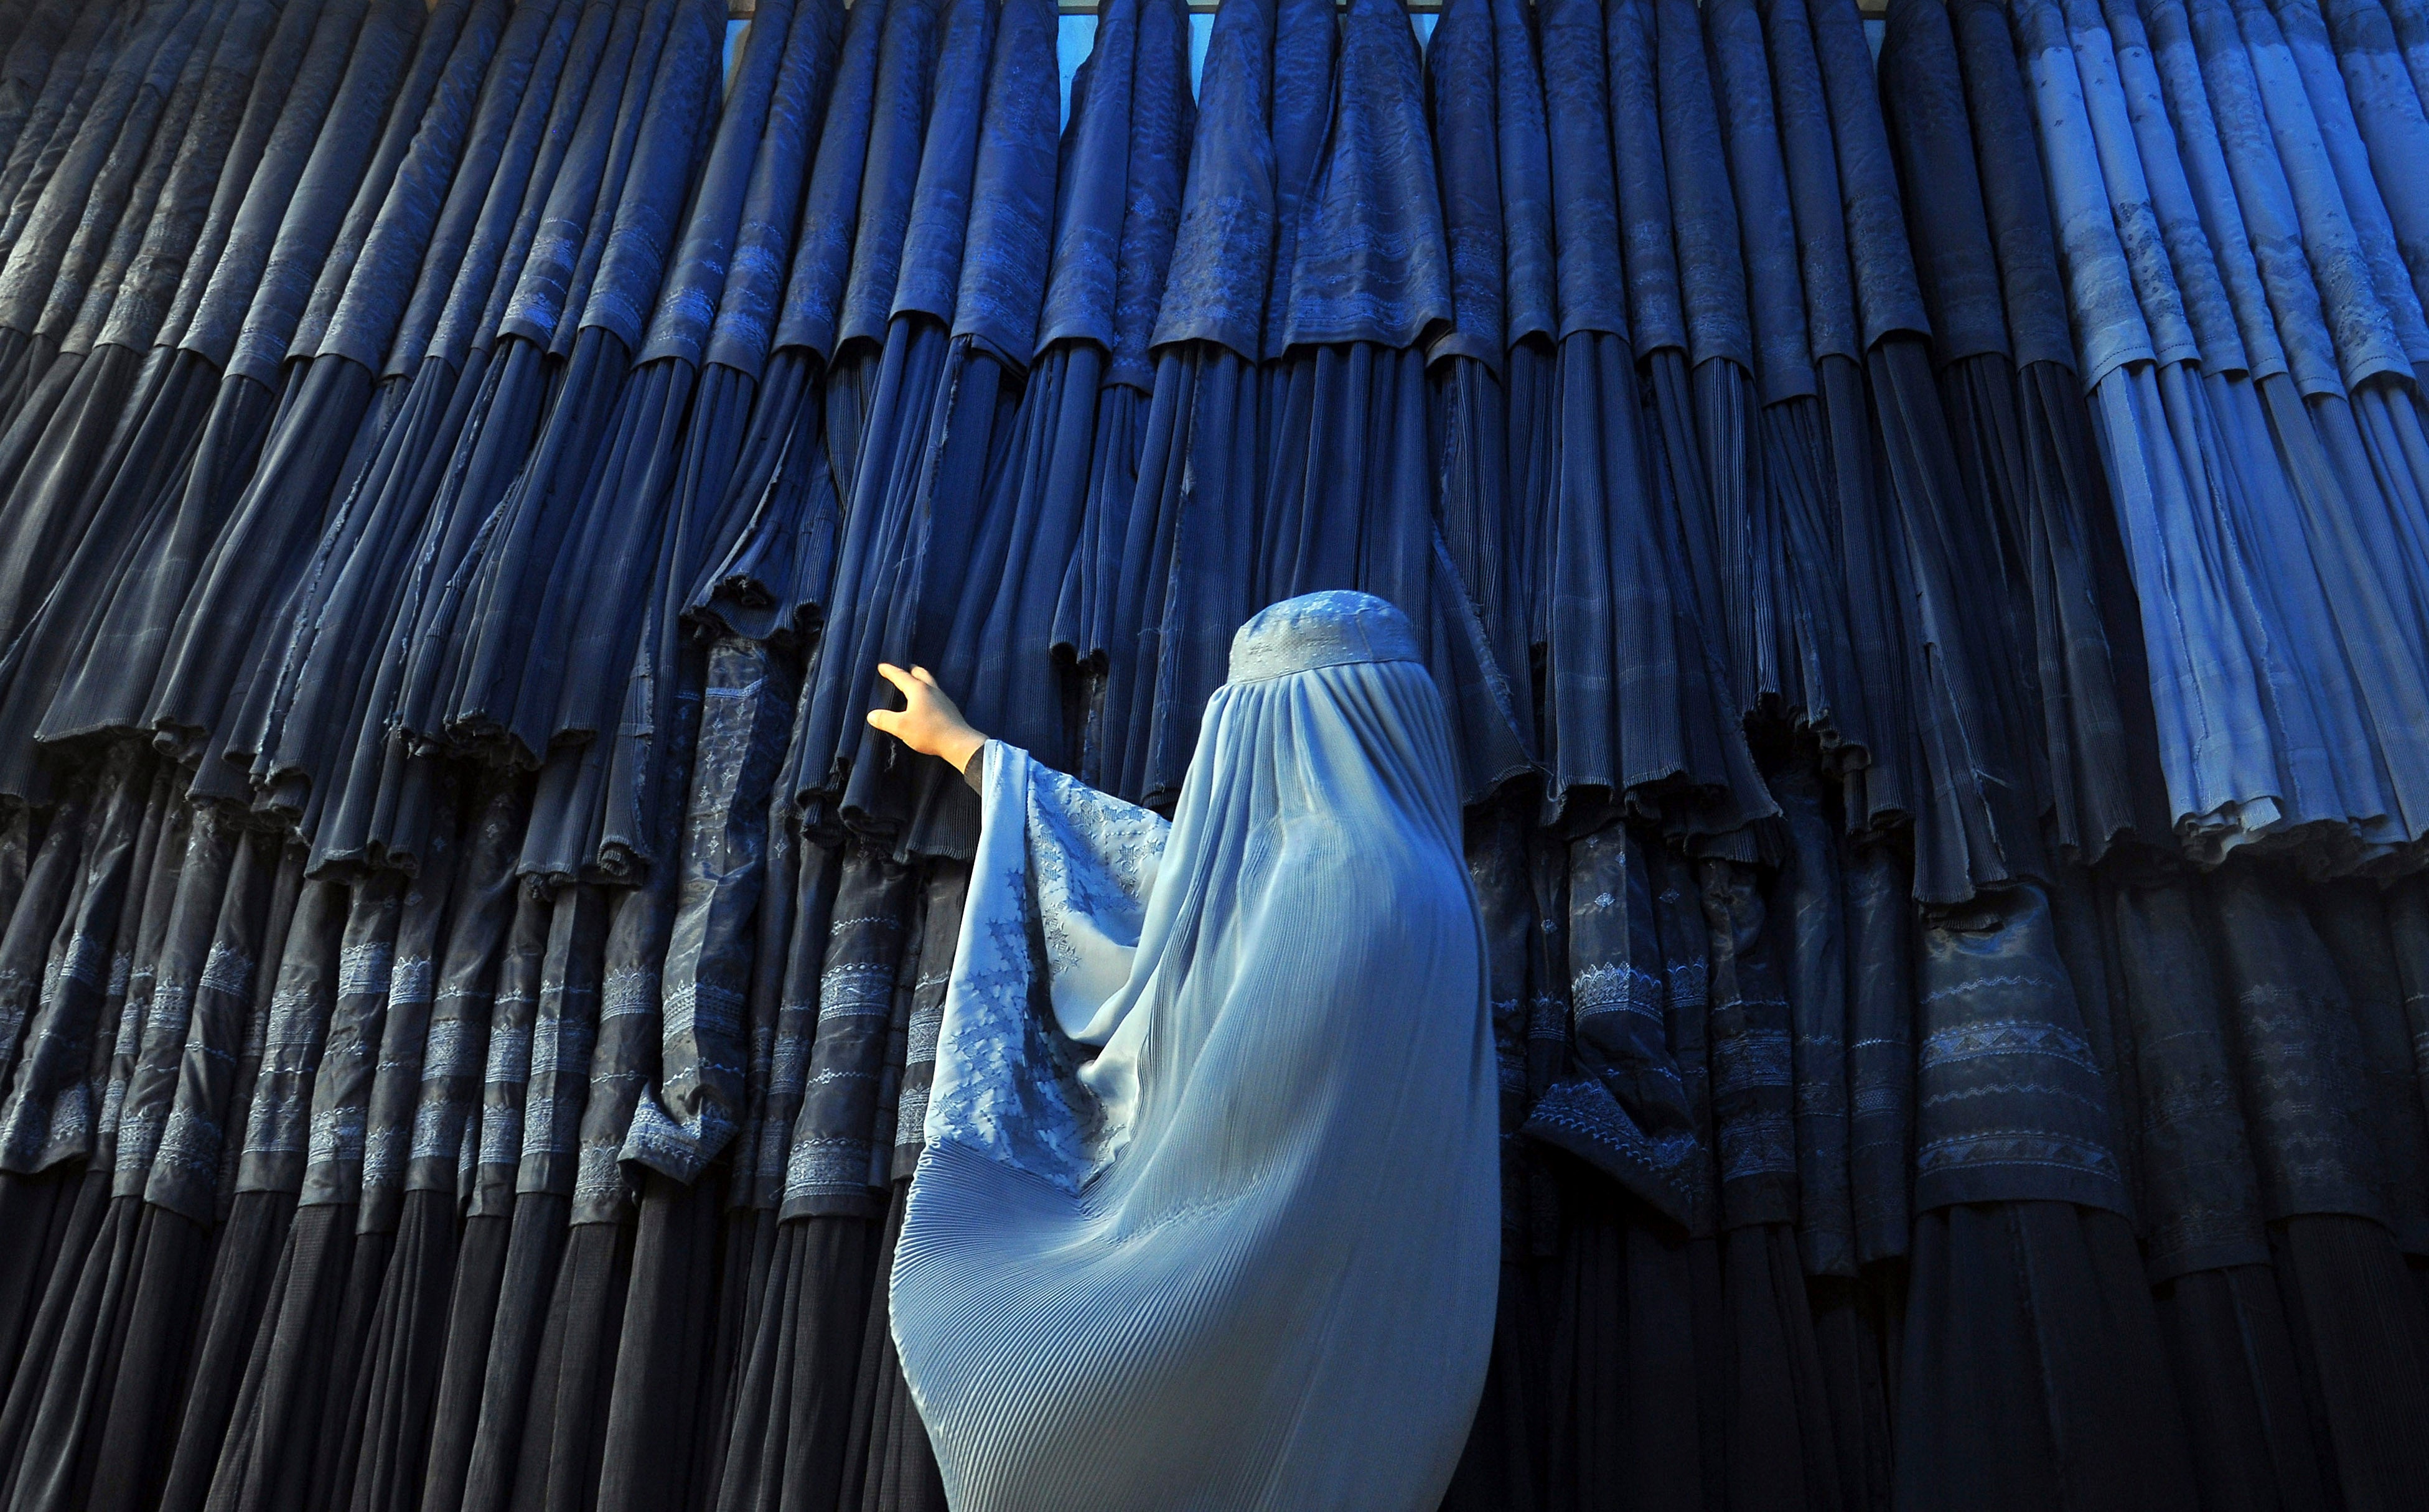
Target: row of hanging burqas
{"type": "Point", "coordinates": [741, 9]}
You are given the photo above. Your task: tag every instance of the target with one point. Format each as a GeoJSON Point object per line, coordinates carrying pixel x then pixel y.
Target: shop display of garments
{"type": "Point", "coordinates": [1915, 528]}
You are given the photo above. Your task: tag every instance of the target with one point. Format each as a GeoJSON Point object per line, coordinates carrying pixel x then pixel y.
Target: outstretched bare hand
{"type": "Point", "coordinates": [929, 722]}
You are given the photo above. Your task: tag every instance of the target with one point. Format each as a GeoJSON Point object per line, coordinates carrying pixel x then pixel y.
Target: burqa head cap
{"type": "Point", "coordinates": [1330, 629]}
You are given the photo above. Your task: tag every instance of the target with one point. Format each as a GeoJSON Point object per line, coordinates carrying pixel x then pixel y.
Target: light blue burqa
{"type": "Point", "coordinates": [1209, 1215]}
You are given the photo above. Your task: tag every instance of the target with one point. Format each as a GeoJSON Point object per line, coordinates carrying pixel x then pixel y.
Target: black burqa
{"type": "Point", "coordinates": [1198, 464]}
{"type": "Point", "coordinates": [2205, 1239]}
{"type": "Point", "coordinates": [55, 1025]}
{"type": "Point", "coordinates": [420, 1124]}
{"type": "Point", "coordinates": [128, 490]}
{"type": "Point", "coordinates": [91, 663]}
{"type": "Point", "coordinates": [1485, 105]}
{"type": "Point", "coordinates": [303, 698]}
{"type": "Point", "coordinates": [299, 1367]}
{"type": "Point", "coordinates": [61, 468]}
{"type": "Point", "coordinates": [1625, 1422]}
{"type": "Point", "coordinates": [940, 416]}
{"type": "Point", "coordinates": [301, 981]}
{"type": "Point", "coordinates": [888, 1464]}
{"type": "Point", "coordinates": [510, 344]}
{"type": "Point", "coordinates": [1976, 812]}
{"type": "Point", "coordinates": [827, 1122]}
{"type": "Point", "coordinates": [1362, 286]}
{"type": "Point", "coordinates": [241, 901]}
{"type": "Point", "coordinates": [610, 647]}
{"type": "Point", "coordinates": [1700, 752]}
{"type": "Point", "coordinates": [109, 1382]}
{"type": "Point", "coordinates": [2321, 1146]}
{"type": "Point", "coordinates": [531, 1111]}
{"type": "Point", "coordinates": [663, 1444]}
{"type": "Point", "coordinates": [1050, 538]}
{"type": "Point", "coordinates": [342, 1426]}
{"type": "Point", "coordinates": [561, 1455]}
{"type": "Point", "coordinates": [771, 549]}
{"type": "Point", "coordinates": [479, 1174]}
{"type": "Point", "coordinates": [337, 409]}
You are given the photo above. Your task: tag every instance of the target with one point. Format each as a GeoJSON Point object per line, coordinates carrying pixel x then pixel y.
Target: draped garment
{"type": "Point", "coordinates": [1218, 1228]}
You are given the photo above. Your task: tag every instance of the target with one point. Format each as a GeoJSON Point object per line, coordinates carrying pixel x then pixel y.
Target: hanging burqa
{"type": "Point", "coordinates": [1239, 1188]}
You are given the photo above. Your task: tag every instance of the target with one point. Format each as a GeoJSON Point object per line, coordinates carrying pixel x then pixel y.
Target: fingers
{"type": "Point", "coordinates": [926, 676]}
{"type": "Point", "coordinates": [888, 720]}
{"type": "Point", "coordinates": [900, 679]}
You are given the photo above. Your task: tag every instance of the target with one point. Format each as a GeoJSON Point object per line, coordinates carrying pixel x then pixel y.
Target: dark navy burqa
{"type": "Point", "coordinates": [1056, 528]}
{"type": "Point", "coordinates": [1199, 448]}
{"type": "Point", "coordinates": [945, 281]}
{"type": "Point", "coordinates": [1924, 557]}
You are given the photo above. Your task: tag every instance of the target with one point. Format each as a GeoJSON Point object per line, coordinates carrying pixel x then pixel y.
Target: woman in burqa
{"type": "Point", "coordinates": [1209, 1211]}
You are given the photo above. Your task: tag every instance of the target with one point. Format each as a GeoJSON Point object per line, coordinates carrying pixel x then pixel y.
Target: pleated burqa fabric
{"type": "Point", "coordinates": [1053, 530]}
{"type": "Point", "coordinates": [1354, 308]}
{"type": "Point", "coordinates": [81, 69]}
{"type": "Point", "coordinates": [1485, 105]}
{"type": "Point", "coordinates": [792, 1293]}
{"type": "Point", "coordinates": [835, 1070]}
{"type": "Point", "coordinates": [251, 1265]}
{"type": "Point", "coordinates": [298, 713]}
{"type": "Point", "coordinates": [623, 192]}
{"type": "Point", "coordinates": [708, 860]}
{"type": "Point", "coordinates": [2022, 436]}
{"type": "Point", "coordinates": [40, 43]}
{"type": "Point", "coordinates": [508, 340]}
{"type": "Point", "coordinates": [710, 854]}
{"type": "Point", "coordinates": [84, 435]}
{"type": "Point", "coordinates": [1635, 699]}
{"type": "Point", "coordinates": [1765, 1417]}
{"type": "Point", "coordinates": [63, 1009]}
{"type": "Point", "coordinates": [1824, 739]}
{"type": "Point", "coordinates": [80, 296]}
{"type": "Point", "coordinates": [1199, 474]}
{"type": "Point", "coordinates": [387, 248]}
{"type": "Point", "coordinates": [2329, 1164]}
{"type": "Point", "coordinates": [315, 446]}
{"type": "Point", "coordinates": [68, 228]}
{"type": "Point", "coordinates": [421, 1114]}
{"type": "Point", "coordinates": [1041, 1158]}
{"type": "Point", "coordinates": [129, 489]}
{"type": "Point", "coordinates": [769, 556]}
{"type": "Point", "coordinates": [185, 1191]}
{"type": "Point", "coordinates": [114, 1365]}
{"type": "Point", "coordinates": [1975, 809]}
{"type": "Point", "coordinates": [610, 676]}
{"type": "Point", "coordinates": [1925, 569]}
{"type": "Point", "coordinates": [79, 302]}
{"type": "Point", "coordinates": [2205, 1241]}
{"type": "Point", "coordinates": [2198, 525]}
{"type": "Point", "coordinates": [91, 665]}
{"type": "Point", "coordinates": [941, 305]}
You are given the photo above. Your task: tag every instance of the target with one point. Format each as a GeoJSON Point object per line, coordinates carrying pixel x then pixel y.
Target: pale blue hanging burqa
{"type": "Point", "coordinates": [1209, 1214]}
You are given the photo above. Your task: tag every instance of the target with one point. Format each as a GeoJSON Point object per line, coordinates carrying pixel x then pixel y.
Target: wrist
{"type": "Point", "coordinates": [961, 747]}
